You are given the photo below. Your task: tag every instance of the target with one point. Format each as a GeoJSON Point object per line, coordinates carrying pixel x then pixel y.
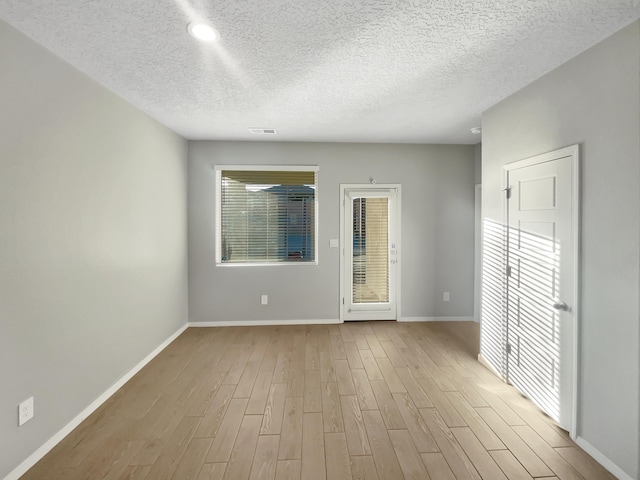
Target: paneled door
{"type": "Point", "coordinates": [541, 281]}
{"type": "Point", "coordinates": [369, 252]}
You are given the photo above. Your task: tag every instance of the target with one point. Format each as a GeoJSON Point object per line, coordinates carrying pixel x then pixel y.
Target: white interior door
{"type": "Point", "coordinates": [370, 252]}
{"type": "Point", "coordinates": [541, 282]}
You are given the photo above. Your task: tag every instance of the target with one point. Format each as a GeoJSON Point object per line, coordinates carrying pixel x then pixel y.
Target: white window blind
{"type": "Point", "coordinates": [370, 281]}
{"type": "Point", "coordinates": [266, 215]}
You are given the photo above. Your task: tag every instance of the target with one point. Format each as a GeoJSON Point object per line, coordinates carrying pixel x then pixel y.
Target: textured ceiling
{"type": "Point", "coordinates": [419, 71]}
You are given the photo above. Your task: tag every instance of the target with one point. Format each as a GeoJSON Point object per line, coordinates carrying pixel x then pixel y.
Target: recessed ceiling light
{"type": "Point", "coordinates": [476, 130]}
{"type": "Point", "coordinates": [203, 32]}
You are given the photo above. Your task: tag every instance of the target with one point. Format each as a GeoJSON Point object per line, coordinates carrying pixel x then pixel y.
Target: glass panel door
{"type": "Point", "coordinates": [370, 256]}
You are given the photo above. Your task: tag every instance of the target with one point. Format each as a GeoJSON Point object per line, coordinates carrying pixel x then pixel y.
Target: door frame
{"type": "Point", "coordinates": [572, 151]}
{"type": "Point", "coordinates": [370, 186]}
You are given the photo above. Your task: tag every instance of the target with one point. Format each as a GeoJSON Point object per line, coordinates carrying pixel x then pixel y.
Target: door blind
{"type": "Point", "coordinates": [370, 274]}
{"type": "Point", "coordinates": [267, 216]}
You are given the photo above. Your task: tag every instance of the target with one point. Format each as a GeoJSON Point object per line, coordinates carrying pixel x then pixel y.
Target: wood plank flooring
{"type": "Point", "coordinates": [361, 401]}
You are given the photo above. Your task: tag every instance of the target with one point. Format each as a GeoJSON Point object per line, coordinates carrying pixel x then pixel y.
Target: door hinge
{"type": "Point", "coordinates": [343, 300]}
{"type": "Point", "coordinates": [509, 269]}
{"type": "Point", "coordinates": [508, 348]}
{"type": "Point", "coordinates": [507, 192]}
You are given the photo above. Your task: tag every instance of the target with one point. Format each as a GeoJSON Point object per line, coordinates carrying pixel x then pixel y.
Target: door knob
{"type": "Point", "coordinates": [561, 306]}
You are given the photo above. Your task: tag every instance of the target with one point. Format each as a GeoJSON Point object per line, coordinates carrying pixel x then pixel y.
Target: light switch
{"type": "Point", "coordinates": [334, 243]}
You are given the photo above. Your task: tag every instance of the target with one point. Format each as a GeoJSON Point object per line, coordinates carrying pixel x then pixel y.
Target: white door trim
{"type": "Point", "coordinates": [366, 186]}
{"type": "Point", "coordinates": [573, 152]}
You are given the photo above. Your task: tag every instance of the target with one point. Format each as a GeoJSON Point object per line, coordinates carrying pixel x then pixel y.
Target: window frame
{"type": "Point", "coordinates": [218, 210]}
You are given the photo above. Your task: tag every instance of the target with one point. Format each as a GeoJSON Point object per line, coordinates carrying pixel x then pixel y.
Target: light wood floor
{"type": "Point", "coordinates": [377, 400]}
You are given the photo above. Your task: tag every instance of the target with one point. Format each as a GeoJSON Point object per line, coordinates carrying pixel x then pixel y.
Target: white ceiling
{"type": "Point", "coordinates": [418, 71]}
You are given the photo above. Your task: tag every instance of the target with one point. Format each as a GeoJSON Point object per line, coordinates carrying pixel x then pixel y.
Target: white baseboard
{"type": "Point", "coordinates": [321, 321]}
{"type": "Point", "coordinates": [254, 323]}
{"type": "Point", "coordinates": [32, 459]}
{"type": "Point", "coordinates": [599, 457]}
{"type": "Point", "coordinates": [436, 319]}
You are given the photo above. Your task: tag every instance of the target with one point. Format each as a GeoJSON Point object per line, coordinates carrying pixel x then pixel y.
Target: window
{"type": "Point", "coordinates": [266, 215]}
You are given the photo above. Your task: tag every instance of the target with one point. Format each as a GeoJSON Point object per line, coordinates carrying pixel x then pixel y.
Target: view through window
{"type": "Point", "coordinates": [266, 215]}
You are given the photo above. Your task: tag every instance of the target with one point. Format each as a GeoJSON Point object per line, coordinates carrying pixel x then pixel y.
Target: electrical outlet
{"type": "Point", "coordinates": [264, 299]}
{"type": "Point", "coordinates": [445, 296]}
{"type": "Point", "coordinates": [25, 411]}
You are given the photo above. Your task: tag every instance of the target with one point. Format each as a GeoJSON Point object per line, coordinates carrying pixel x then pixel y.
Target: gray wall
{"type": "Point", "coordinates": [593, 100]}
{"type": "Point", "coordinates": [477, 150]}
{"type": "Point", "coordinates": [93, 272]}
{"type": "Point", "coordinates": [437, 230]}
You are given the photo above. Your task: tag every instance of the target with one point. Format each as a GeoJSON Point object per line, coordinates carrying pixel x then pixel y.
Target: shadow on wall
{"type": "Point", "coordinates": [493, 336]}
{"type": "Point", "coordinates": [520, 327]}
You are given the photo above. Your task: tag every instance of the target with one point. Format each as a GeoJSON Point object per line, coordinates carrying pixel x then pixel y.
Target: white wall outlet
{"type": "Point", "coordinates": [334, 243]}
{"type": "Point", "coordinates": [25, 411]}
{"type": "Point", "coordinates": [445, 296]}
{"type": "Point", "coordinates": [264, 299]}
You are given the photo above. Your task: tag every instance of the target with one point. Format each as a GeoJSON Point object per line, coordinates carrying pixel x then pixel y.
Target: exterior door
{"type": "Point", "coordinates": [370, 252]}
{"type": "Point", "coordinates": [541, 276]}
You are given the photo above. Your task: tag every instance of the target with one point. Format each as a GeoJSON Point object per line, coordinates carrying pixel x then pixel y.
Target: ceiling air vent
{"type": "Point", "coordinates": [263, 131]}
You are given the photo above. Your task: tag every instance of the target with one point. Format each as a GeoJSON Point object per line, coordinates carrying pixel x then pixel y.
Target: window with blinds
{"type": "Point", "coordinates": [266, 215]}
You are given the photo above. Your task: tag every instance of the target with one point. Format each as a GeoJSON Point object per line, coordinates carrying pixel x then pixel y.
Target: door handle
{"type": "Point", "coordinates": [561, 306]}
